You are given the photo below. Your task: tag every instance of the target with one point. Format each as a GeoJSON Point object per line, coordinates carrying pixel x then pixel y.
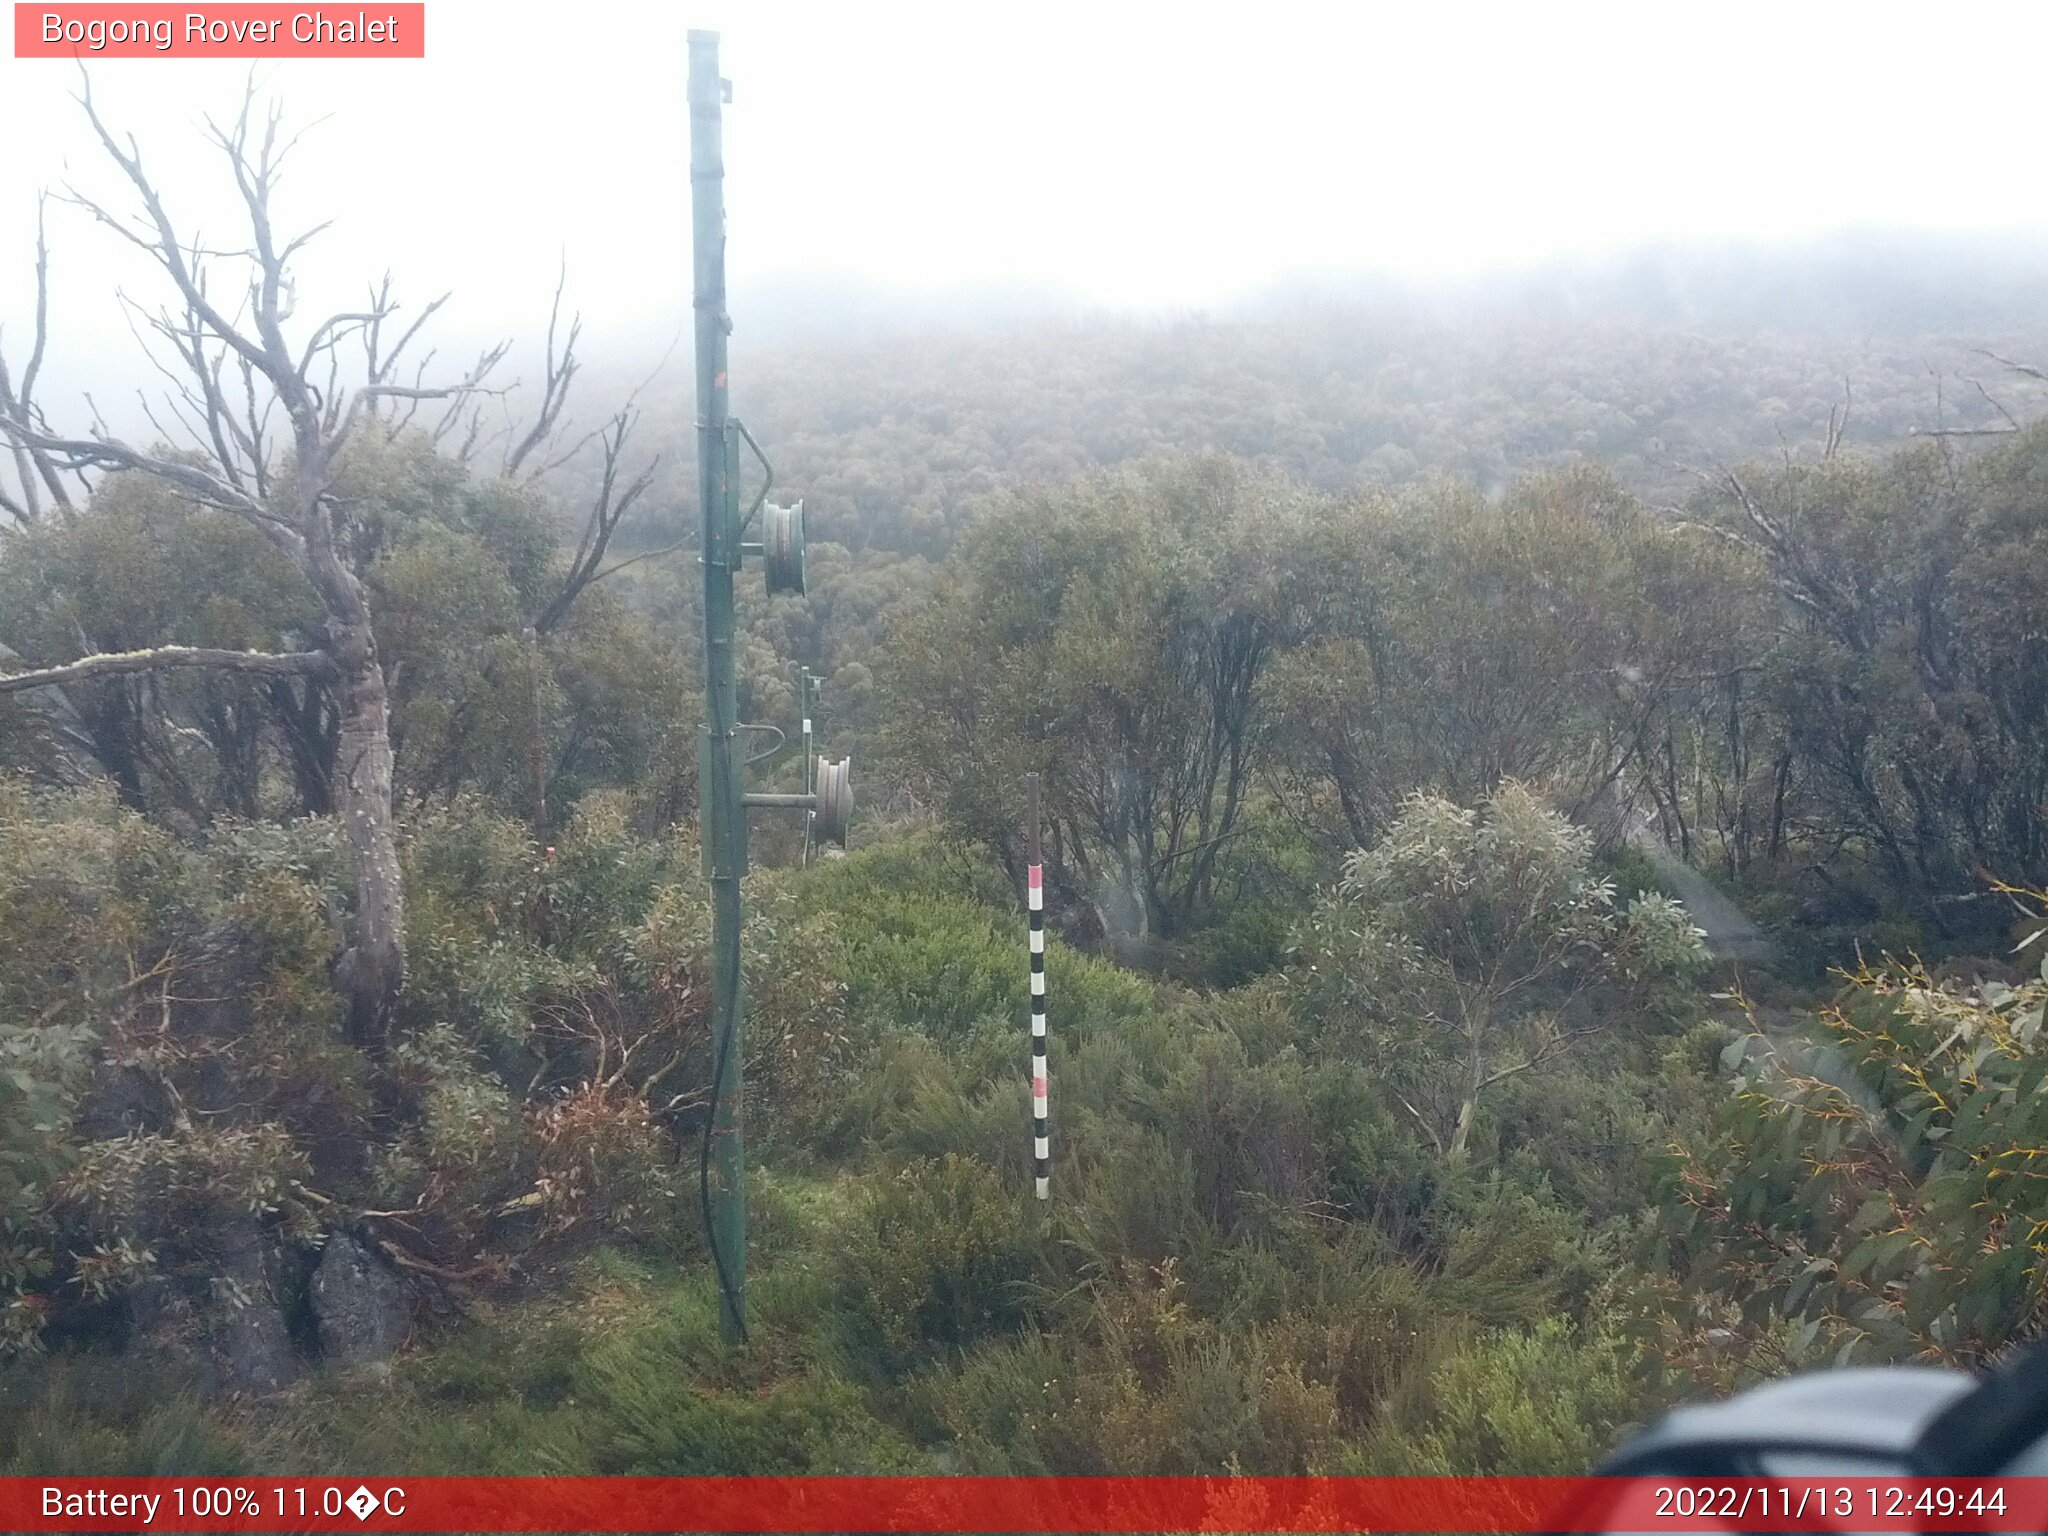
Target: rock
{"type": "Point", "coordinates": [363, 1310]}
{"type": "Point", "coordinates": [250, 1342]}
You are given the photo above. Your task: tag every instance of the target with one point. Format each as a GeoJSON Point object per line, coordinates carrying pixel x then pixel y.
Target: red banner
{"type": "Point", "coordinates": [1002, 1504]}
{"type": "Point", "coordinates": [102, 31]}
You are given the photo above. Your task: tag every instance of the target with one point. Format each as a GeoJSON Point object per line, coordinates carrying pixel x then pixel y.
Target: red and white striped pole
{"type": "Point", "coordinates": [1034, 887]}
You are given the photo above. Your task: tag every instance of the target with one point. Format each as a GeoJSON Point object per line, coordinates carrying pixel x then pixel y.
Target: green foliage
{"type": "Point", "coordinates": [1270, 1247]}
{"type": "Point", "coordinates": [938, 1256]}
{"type": "Point", "coordinates": [1111, 637]}
{"type": "Point", "coordinates": [1163, 1395]}
{"type": "Point", "coordinates": [1460, 952]}
{"type": "Point", "coordinates": [144, 567]}
{"type": "Point", "coordinates": [1548, 1401]}
{"type": "Point", "coordinates": [455, 570]}
{"type": "Point", "coordinates": [130, 970]}
{"type": "Point", "coordinates": [1248, 1259]}
{"type": "Point", "coordinates": [1883, 721]}
{"type": "Point", "coordinates": [180, 1085]}
{"type": "Point", "coordinates": [897, 436]}
{"type": "Point", "coordinates": [1874, 1193]}
{"type": "Point", "coordinates": [1263, 878]}
{"type": "Point", "coordinates": [619, 1371]}
{"type": "Point", "coordinates": [1447, 640]}
{"type": "Point", "coordinates": [466, 1145]}
{"type": "Point", "coordinates": [40, 1071]}
{"type": "Point", "coordinates": [938, 969]}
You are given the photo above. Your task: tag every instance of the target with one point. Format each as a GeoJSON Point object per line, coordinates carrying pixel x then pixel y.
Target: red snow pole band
{"type": "Point", "coordinates": [1035, 876]}
{"type": "Point", "coordinates": [748, 1505]}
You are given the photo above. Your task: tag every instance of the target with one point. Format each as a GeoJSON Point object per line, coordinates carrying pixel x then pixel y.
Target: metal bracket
{"type": "Point", "coordinates": [781, 741]}
{"type": "Point", "coordinates": [767, 469]}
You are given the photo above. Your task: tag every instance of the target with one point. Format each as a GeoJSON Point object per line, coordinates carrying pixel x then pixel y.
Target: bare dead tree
{"type": "Point", "coordinates": [36, 473]}
{"type": "Point", "coordinates": [541, 453]}
{"type": "Point", "coordinates": [2006, 425]}
{"type": "Point", "coordinates": [261, 421]}
{"type": "Point", "coordinates": [608, 509]}
{"type": "Point", "coordinates": [1838, 423]}
{"type": "Point", "coordinates": [558, 373]}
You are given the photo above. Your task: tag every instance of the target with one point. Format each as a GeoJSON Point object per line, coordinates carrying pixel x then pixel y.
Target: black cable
{"type": "Point", "coordinates": [726, 1289]}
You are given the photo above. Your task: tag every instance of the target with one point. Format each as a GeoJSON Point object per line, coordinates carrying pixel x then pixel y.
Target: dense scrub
{"type": "Point", "coordinates": [1396, 1127]}
{"type": "Point", "coordinates": [1257, 1257]}
{"type": "Point", "coordinates": [1818, 681]}
{"type": "Point", "coordinates": [1252, 1260]}
{"type": "Point", "coordinates": [185, 1094]}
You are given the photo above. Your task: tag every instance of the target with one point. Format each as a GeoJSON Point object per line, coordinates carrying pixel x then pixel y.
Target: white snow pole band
{"type": "Point", "coordinates": [1034, 889]}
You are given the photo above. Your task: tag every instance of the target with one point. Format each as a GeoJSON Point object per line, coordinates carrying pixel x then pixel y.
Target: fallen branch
{"type": "Point", "coordinates": [168, 658]}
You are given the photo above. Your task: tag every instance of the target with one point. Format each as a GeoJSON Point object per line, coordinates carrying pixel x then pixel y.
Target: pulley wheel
{"type": "Point", "coordinates": [835, 800]}
{"type": "Point", "coordinates": [782, 548]}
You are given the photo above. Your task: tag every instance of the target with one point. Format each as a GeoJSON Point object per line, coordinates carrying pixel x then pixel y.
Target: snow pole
{"type": "Point", "coordinates": [1034, 888]}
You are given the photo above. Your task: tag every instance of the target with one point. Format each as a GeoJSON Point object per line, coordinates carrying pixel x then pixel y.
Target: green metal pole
{"type": "Point", "coordinates": [723, 817]}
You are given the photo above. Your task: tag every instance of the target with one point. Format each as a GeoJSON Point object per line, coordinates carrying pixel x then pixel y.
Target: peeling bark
{"type": "Point", "coordinates": [372, 970]}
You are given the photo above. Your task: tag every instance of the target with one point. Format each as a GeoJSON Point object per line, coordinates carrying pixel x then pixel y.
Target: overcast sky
{"type": "Point", "coordinates": [1131, 153]}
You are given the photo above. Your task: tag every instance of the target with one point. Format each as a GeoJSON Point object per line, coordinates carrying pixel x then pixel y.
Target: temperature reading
{"type": "Point", "coordinates": [332, 1501]}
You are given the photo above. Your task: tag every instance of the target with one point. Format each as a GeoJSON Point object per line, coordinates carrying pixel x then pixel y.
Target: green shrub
{"type": "Point", "coordinates": [1146, 1388]}
{"type": "Point", "coordinates": [1874, 1186]}
{"type": "Point", "coordinates": [1546, 1402]}
{"type": "Point", "coordinates": [1506, 1255]}
{"type": "Point", "coordinates": [1251, 1131]}
{"type": "Point", "coordinates": [1245, 943]}
{"type": "Point", "coordinates": [938, 1256]}
{"type": "Point", "coordinates": [918, 962]}
{"type": "Point", "coordinates": [922, 864]}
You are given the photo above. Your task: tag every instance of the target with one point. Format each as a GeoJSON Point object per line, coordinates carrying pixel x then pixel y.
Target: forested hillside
{"type": "Point", "coordinates": [899, 442]}
{"type": "Point", "coordinates": [354, 950]}
{"type": "Point", "coordinates": [895, 435]}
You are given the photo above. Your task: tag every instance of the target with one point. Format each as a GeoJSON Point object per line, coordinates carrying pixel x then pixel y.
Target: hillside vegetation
{"type": "Point", "coordinates": [1401, 1121]}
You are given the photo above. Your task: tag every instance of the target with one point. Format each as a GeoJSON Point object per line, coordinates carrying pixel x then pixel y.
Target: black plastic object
{"type": "Point", "coordinates": [1998, 1429]}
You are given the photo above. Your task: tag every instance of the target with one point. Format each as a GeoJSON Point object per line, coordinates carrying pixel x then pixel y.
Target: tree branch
{"type": "Point", "coordinates": [606, 513]}
{"type": "Point", "coordinates": [166, 658]}
{"type": "Point", "coordinates": [554, 383]}
{"type": "Point", "coordinates": [18, 403]}
{"type": "Point", "coordinates": [2005, 362]}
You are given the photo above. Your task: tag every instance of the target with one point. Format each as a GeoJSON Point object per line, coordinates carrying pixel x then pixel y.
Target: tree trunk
{"type": "Point", "coordinates": [1462, 1132]}
{"type": "Point", "coordinates": [1475, 1077]}
{"type": "Point", "coordinates": [373, 969]}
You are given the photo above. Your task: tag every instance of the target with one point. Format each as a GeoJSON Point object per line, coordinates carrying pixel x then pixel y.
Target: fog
{"type": "Point", "coordinates": [894, 161]}
{"type": "Point", "coordinates": [1497, 534]}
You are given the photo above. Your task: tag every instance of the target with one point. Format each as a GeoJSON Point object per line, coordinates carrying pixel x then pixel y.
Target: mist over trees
{"type": "Point", "coordinates": [1392, 668]}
